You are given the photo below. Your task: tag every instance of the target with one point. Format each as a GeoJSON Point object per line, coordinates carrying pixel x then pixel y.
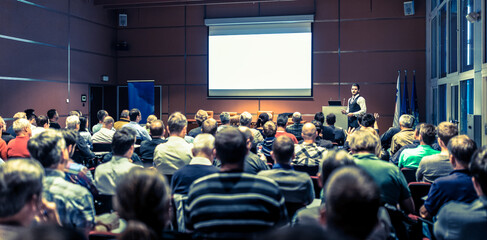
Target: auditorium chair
{"type": "Point", "coordinates": [409, 174]}
{"type": "Point", "coordinates": [418, 191]}
{"type": "Point", "coordinates": [311, 170]}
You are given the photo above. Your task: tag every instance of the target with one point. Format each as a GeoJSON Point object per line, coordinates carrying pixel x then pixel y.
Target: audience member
{"type": "Point", "coordinates": [405, 136]}
{"type": "Point", "coordinates": [17, 147]}
{"type": "Point", "coordinates": [77, 173]}
{"type": "Point", "coordinates": [458, 185]}
{"type": "Point", "coordinates": [320, 141]}
{"type": "Point", "coordinates": [143, 200]}
{"type": "Point", "coordinates": [108, 175]}
{"type": "Point", "coordinates": [150, 119]}
{"type": "Point", "coordinates": [32, 118]}
{"type": "Point", "coordinates": [235, 120]}
{"type": "Point", "coordinates": [124, 119]}
{"type": "Point", "coordinates": [308, 153]}
{"type": "Point", "coordinates": [340, 134]}
{"type": "Point", "coordinates": [135, 117]}
{"type": "Point", "coordinates": [393, 185]}
{"type": "Point", "coordinates": [73, 202]}
{"type": "Point", "coordinates": [3, 128]}
{"type": "Point", "coordinates": [53, 117]}
{"type": "Point", "coordinates": [74, 113]}
{"type": "Point", "coordinates": [281, 127]}
{"type": "Point", "coordinates": [386, 138]}
{"type": "Point", "coordinates": [232, 204]}
{"type": "Point", "coordinates": [252, 163]}
{"type": "Point", "coordinates": [328, 133]}
{"type": "Point", "coordinates": [265, 147]}
{"type": "Point", "coordinates": [176, 152]}
{"type": "Point", "coordinates": [3, 150]}
{"type": "Point", "coordinates": [296, 187]}
{"type": "Point", "coordinates": [200, 166]}
{"type": "Point", "coordinates": [100, 115]}
{"type": "Point", "coordinates": [246, 121]}
{"type": "Point", "coordinates": [209, 126]}
{"type": "Point", "coordinates": [105, 134]}
{"type": "Point", "coordinates": [296, 127]}
{"type": "Point", "coordinates": [200, 117]}
{"type": "Point", "coordinates": [368, 120]}
{"type": "Point", "coordinates": [352, 204]}
{"type": "Point", "coordinates": [410, 158]}
{"type": "Point", "coordinates": [17, 116]}
{"type": "Point", "coordinates": [225, 121]}
{"type": "Point", "coordinates": [84, 131]}
{"type": "Point", "coordinates": [438, 165]}
{"type": "Point", "coordinates": [82, 154]}
{"type": "Point", "coordinates": [50, 232]}
{"type": "Point", "coordinates": [42, 125]}
{"type": "Point", "coordinates": [395, 158]}
{"type": "Point", "coordinates": [261, 120]}
{"type": "Point", "coordinates": [147, 146]}
{"type": "Point", "coordinates": [21, 198]}
{"type": "Point", "coordinates": [457, 220]}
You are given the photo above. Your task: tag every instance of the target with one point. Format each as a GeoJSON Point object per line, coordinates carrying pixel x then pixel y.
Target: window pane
{"type": "Point", "coordinates": [466, 103]}
{"type": "Point", "coordinates": [453, 36]}
{"type": "Point", "coordinates": [454, 104]}
{"type": "Point", "coordinates": [443, 41]}
{"type": "Point", "coordinates": [442, 103]}
{"type": "Point", "coordinates": [433, 4]}
{"type": "Point", "coordinates": [434, 49]}
{"type": "Point", "coordinates": [467, 36]}
{"type": "Point", "coordinates": [435, 104]}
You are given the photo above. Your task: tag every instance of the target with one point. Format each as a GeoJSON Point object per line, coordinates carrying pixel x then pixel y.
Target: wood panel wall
{"type": "Point", "coordinates": [47, 46]}
{"type": "Point", "coordinates": [353, 41]}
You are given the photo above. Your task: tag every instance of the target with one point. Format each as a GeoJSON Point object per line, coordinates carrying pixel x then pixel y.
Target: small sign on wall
{"type": "Point", "coordinates": [409, 8]}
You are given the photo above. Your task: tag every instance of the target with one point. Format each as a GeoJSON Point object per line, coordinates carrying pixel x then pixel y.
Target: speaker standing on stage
{"type": "Point", "coordinates": [356, 107]}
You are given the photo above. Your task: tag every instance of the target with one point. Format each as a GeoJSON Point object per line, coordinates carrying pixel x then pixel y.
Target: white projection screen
{"type": "Point", "coordinates": [261, 57]}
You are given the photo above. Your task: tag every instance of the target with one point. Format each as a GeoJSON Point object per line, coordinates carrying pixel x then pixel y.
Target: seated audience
{"type": "Point", "coordinates": [320, 141]}
{"type": "Point", "coordinates": [393, 185]}
{"type": "Point", "coordinates": [82, 153]}
{"type": "Point", "coordinates": [458, 185]}
{"type": "Point", "coordinates": [53, 117]}
{"type": "Point", "coordinates": [252, 163]}
{"type": "Point", "coordinates": [209, 126]}
{"type": "Point", "coordinates": [176, 152]}
{"type": "Point", "coordinates": [232, 204]}
{"type": "Point", "coordinates": [246, 121]}
{"type": "Point", "coordinates": [410, 158]}
{"type": "Point", "coordinates": [135, 117]}
{"type": "Point", "coordinates": [108, 175]}
{"type": "Point", "coordinates": [281, 128]}
{"type": "Point", "coordinates": [150, 119]}
{"type": "Point", "coordinates": [17, 116]}
{"type": "Point", "coordinates": [74, 203]}
{"type": "Point", "coordinates": [265, 147]}
{"type": "Point", "coordinates": [340, 134]}
{"type": "Point", "coordinates": [386, 138]}
{"type": "Point", "coordinates": [84, 131]}
{"type": "Point", "coordinates": [77, 173]}
{"type": "Point", "coordinates": [74, 113]}
{"type": "Point", "coordinates": [352, 204]}
{"type": "Point", "coordinates": [328, 133]}
{"type": "Point", "coordinates": [200, 166]}
{"type": "Point", "coordinates": [42, 125]}
{"type": "Point", "coordinates": [225, 121]}
{"type": "Point", "coordinates": [296, 187]}
{"type": "Point", "coordinates": [3, 150]}
{"type": "Point", "coordinates": [261, 120]}
{"type": "Point", "coordinates": [200, 117]}
{"type": "Point", "coordinates": [100, 115]}
{"type": "Point", "coordinates": [3, 128]}
{"type": "Point", "coordinates": [17, 147]}
{"type": "Point", "coordinates": [145, 219]}
{"type": "Point", "coordinates": [395, 158]}
{"type": "Point", "coordinates": [308, 153]}
{"type": "Point", "coordinates": [438, 165]}
{"type": "Point", "coordinates": [32, 118]}
{"type": "Point", "coordinates": [405, 136]}
{"type": "Point", "coordinates": [147, 147]}
{"type": "Point", "coordinates": [105, 134]}
{"type": "Point", "coordinates": [459, 220]}
{"type": "Point", "coordinates": [21, 198]}
{"type": "Point", "coordinates": [296, 127]}
{"type": "Point", "coordinates": [124, 119]}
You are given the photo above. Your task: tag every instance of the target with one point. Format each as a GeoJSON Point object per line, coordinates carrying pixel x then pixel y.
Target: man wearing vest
{"type": "Point", "coordinates": [356, 107]}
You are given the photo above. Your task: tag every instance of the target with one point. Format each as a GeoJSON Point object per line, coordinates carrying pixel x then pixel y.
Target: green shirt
{"type": "Point", "coordinates": [392, 184]}
{"type": "Point", "coordinates": [410, 158]}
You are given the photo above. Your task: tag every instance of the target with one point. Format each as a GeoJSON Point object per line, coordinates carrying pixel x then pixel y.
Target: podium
{"type": "Point", "coordinates": [341, 119]}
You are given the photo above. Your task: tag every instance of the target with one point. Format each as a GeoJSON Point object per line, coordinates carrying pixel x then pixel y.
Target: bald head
{"type": "Point", "coordinates": [156, 128]}
{"type": "Point", "coordinates": [108, 122]}
{"type": "Point", "coordinates": [203, 146]}
{"type": "Point", "coordinates": [309, 131]}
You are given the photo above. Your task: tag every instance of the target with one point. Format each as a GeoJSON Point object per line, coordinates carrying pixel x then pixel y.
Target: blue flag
{"type": "Point", "coordinates": [414, 101]}
{"type": "Point", "coordinates": [405, 96]}
{"type": "Point", "coordinates": [397, 111]}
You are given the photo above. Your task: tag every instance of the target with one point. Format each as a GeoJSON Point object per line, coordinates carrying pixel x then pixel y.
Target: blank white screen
{"type": "Point", "coordinates": [260, 64]}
